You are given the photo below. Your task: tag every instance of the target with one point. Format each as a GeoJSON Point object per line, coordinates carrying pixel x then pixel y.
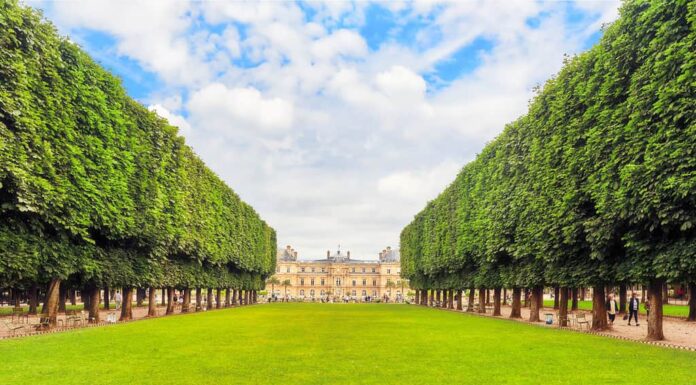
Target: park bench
{"type": "Point", "coordinates": [580, 320]}
{"type": "Point", "coordinates": [12, 328]}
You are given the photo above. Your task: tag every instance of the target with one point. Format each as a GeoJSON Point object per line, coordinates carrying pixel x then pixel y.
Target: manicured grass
{"type": "Point", "coordinates": [670, 310]}
{"type": "Point", "coordinates": [304, 343]}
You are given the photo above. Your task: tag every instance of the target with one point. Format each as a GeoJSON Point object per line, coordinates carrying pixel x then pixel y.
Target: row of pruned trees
{"type": "Point", "coordinates": [96, 191]}
{"type": "Point", "coordinates": [594, 186]}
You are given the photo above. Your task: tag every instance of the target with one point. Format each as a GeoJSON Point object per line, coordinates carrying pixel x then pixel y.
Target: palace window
{"type": "Point", "coordinates": [374, 293]}
{"type": "Point", "coordinates": [287, 269]}
{"type": "Point", "coordinates": [278, 269]}
{"type": "Point", "coordinates": [353, 270]}
{"type": "Point", "coordinates": [374, 282]}
{"type": "Point", "coordinates": [311, 281]}
{"type": "Point", "coordinates": [301, 281]}
{"type": "Point", "coordinates": [312, 270]}
{"type": "Point", "coordinates": [374, 270]}
{"type": "Point", "coordinates": [322, 270]}
{"type": "Point", "coordinates": [363, 269]}
{"type": "Point", "coordinates": [364, 282]}
{"type": "Point", "coordinates": [353, 293]}
{"type": "Point", "coordinates": [302, 269]}
{"type": "Point", "coordinates": [338, 282]}
{"type": "Point", "coordinates": [388, 271]}
{"type": "Point", "coordinates": [364, 293]}
{"type": "Point", "coordinates": [322, 281]}
{"type": "Point", "coordinates": [311, 293]}
{"type": "Point", "coordinates": [322, 293]}
{"type": "Point", "coordinates": [302, 292]}
{"type": "Point", "coordinates": [353, 282]}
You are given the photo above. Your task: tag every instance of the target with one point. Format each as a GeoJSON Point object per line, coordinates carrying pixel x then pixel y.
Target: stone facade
{"type": "Point", "coordinates": [339, 276]}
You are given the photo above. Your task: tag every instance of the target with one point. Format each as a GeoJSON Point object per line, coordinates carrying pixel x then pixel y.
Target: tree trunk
{"type": "Point", "coordinates": [574, 305]}
{"type": "Point", "coordinates": [218, 303]}
{"type": "Point", "coordinates": [556, 293]}
{"type": "Point", "coordinates": [92, 291]}
{"type": "Point", "coordinates": [186, 304]}
{"type": "Point", "coordinates": [431, 296]}
{"type": "Point", "coordinates": [692, 302]}
{"type": "Point", "coordinates": [488, 297]}
{"type": "Point", "coordinates": [623, 298]}
{"type": "Point", "coordinates": [665, 293]}
{"type": "Point", "coordinates": [199, 299]}
{"type": "Point", "coordinates": [33, 299]}
{"type": "Point", "coordinates": [496, 301]}
{"type": "Point", "coordinates": [451, 299]}
{"type": "Point", "coordinates": [655, 292]}
{"type": "Point", "coordinates": [443, 304]}
{"type": "Point", "coordinates": [599, 309]}
{"type": "Point", "coordinates": [563, 307]}
{"type": "Point", "coordinates": [62, 296]}
{"type": "Point", "coordinates": [52, 299]}
{"type": "Point", "coordinates": [459, 299]}
{"type": "Point", "coordinates": [170, 301]}
{"type": "Point", "coordinates": [152, 302]}
{"type": "Point", "coordinates": [516, 311]}
{"type": "Point", "coordinates": [482, 300]}
{"type": "Point", "coordinates": [470, 304]}
{"type": "Point", "coordinates": [164, 296]}
{"type": "Point", "coordinates": [235, 294]}
{"type": "Point", "coordinates": [505, 296]}
{"type": "Point", "coordinates": [106, 298]}
{"type": "Point", "coordinates": [209, 299]}
{"type": "Point", "coordinates": [127, 305]}
{"type": "Point", "coordinates": [140, 296]}
{"type": "Point", "coordinates": [86, 297]}
{"type": "Point", "coordinates": [536, 303]}
{"type": "Point", "coordinates": [227, 297]}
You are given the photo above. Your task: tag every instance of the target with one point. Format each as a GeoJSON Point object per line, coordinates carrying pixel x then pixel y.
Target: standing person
{"type": "Point", "coordinates": [612, 308]}
{"type": "Point", "coordinates": [633, 306]}
{"type": "Point", "coordinates": [118, 299]}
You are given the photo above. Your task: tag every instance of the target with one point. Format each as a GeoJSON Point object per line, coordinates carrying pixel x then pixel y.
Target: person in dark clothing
{"type": "Point", "coordinates": [633, 306]}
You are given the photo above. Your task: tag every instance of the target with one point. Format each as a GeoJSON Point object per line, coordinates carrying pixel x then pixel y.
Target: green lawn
{"type": "Point", "coordinates": [671, 310]}
{"type": "Point", "coordinates": [304, 343]}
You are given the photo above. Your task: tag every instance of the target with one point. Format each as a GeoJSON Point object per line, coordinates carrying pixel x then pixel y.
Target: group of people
{"type": "Point", "coordinates": [633, 308]}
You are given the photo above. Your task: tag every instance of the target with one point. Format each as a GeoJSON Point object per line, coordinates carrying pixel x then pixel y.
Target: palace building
{"type": "Point", "coordinates": [339, 276]}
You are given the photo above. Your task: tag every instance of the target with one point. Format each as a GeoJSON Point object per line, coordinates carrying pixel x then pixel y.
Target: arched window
{"type": "Point", "coordinates": [311, 293]}
{"type": "Point", "coordinates": [322, 293]}
{"type": "Point", "coordinates": [311, 281]}
{"type": "Point", "coordinates": [353, 293]}
{"type": "Point", "coordinates": [301, 281]}
{"type": "Point", "coordinates": [374, 293]}
{"type": "Point", "coordinates": [322, 281]}
{"type": "Point", "coordinates": [364, 282]}
{"type": "Point", "coordinates": [364, 293]}
{"type": "Point", "coordinates": [302, 292]}
{"type": "Point", "coordinates": [353, 282]}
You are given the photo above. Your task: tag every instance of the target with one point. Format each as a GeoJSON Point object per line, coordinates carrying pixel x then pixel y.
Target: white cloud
{"type": "Point", "coordinates": [226, 110]}
{"type": "Point", "coordinates": [175, 120]}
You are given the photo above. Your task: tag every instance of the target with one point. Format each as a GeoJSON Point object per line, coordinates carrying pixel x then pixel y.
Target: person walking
{"type": "Point", "coordinates": [633, 306]}
{"type": "Point", "coordinates": [118, 299]}
{"type": "Point", "coordinates": [612, 308]}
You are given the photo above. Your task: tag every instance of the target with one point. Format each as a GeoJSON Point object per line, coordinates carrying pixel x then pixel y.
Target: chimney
{"type": "Point", "coordinates": [389, 248]}
{"type": "Point", "coordinates": [348, 254]}
{"type": "Point", "coordinates": [295, 254]}
{"type": "Point", "coordinates": [328, 253]}
{"type": "Point", "coordinates": [287, 247]}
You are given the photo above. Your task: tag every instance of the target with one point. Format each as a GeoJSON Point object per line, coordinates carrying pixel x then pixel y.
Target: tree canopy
{"type": "Point", "coordinates": [94, 187]}
{"type": "Point", "coordinates": [596, 184]}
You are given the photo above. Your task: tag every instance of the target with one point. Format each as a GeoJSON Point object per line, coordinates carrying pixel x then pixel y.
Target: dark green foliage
{"type": "Point", "coordinates": [596, 184]}
{"type": "Point", "coordinates": [96, 188]}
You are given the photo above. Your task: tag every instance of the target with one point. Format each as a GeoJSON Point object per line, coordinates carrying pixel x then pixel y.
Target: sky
{"type": "Point", "coordinates": [337, 121]}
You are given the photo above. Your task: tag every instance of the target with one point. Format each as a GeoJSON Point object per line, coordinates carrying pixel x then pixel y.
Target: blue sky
{"type": "Point", "coordinates": [337, 121]}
